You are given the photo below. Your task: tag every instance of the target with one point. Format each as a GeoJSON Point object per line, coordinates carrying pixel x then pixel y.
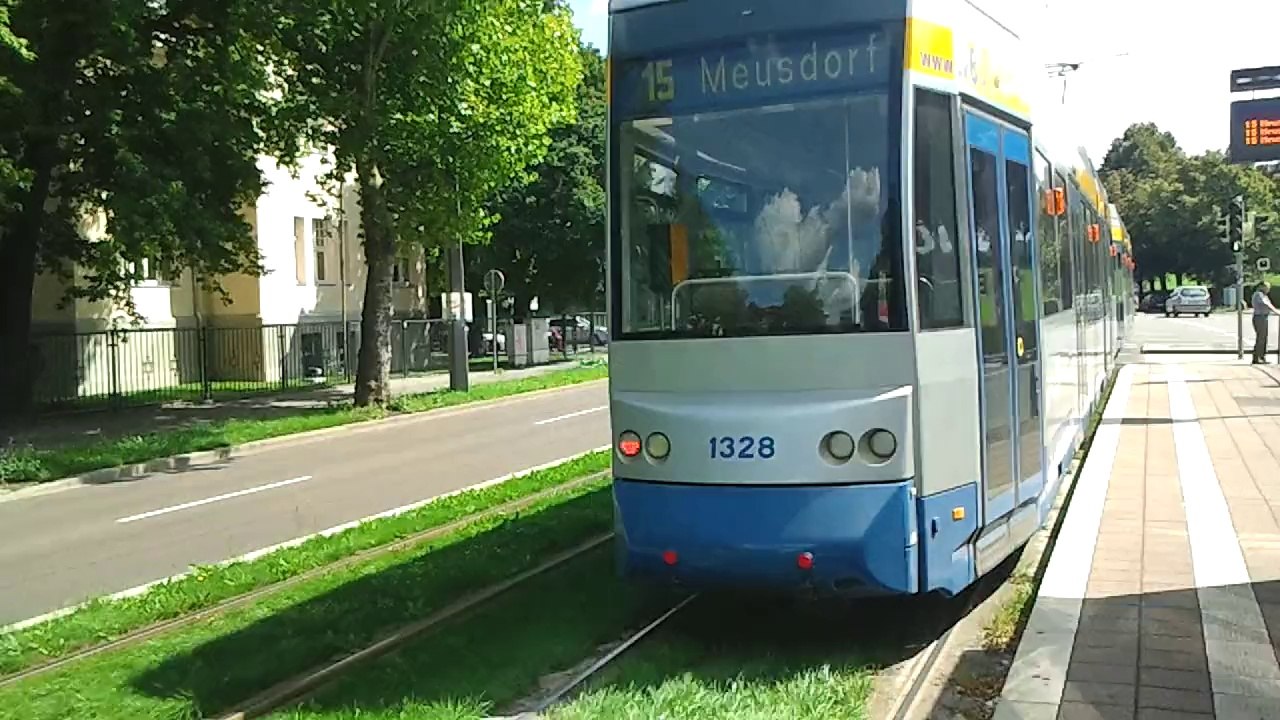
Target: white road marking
{"type": "Point", "coordinates": [1038, 676]}
{"type": "Point", "coordinates": [249, 556]}
{"type": "Point", "coordinates": [1067, 574]}
{"type": "Point", "coordinates": [1216, 558]}
{"type": "Point", "coordinates": [215, 498]}
{"type": "Point", "coordinates": [1241, 659]}
{"type": "Point", "coordinates": [558, 418]}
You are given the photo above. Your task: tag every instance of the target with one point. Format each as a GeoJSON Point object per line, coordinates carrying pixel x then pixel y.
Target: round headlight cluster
{"type": "Point", "coordinates": [657, 446]}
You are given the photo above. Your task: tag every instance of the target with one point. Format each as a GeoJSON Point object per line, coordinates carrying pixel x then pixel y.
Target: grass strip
{"type": "Point", "coordinates": [207, 668]}
{"type": "Point", "coordinates": [37, 465]}
{"type": "Point", "coordinates": [723, 658]}
{"type": "Point", "coordinates": [104, 620]}
{"type": "Point", "coordinates": [474, 667]}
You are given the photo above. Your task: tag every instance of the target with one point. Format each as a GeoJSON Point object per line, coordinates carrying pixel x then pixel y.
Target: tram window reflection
{"type": "Point", "coordinates": [762, 221]}
{"type": "Point", "coordinates": [938, 288]}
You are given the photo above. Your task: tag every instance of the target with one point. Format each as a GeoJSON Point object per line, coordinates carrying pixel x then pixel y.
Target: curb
{"type": "Point", "coordinates": [185, 461]}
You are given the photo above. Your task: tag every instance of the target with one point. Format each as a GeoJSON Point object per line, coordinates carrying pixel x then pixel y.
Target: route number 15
{"type": "Point", "coordinates": [659, 81]}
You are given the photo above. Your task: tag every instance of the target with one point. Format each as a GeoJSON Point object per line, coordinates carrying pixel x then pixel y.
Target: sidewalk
{"type": "Point", "coordinates": [60, 430]}
{"type": "Point", "coordinates": [1162, 596]}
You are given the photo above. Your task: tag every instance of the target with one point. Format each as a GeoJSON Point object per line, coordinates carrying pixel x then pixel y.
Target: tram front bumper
{"type": "Point", "coordinates": [845, 539]}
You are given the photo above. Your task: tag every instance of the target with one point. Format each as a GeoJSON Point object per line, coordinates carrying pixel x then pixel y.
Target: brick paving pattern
{"type": "Point", "coordinates": [1180, 614]}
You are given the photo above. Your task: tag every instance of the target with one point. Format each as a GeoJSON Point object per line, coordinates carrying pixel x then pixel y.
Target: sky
{"type": "Point", "coordinates": [1167, 62]}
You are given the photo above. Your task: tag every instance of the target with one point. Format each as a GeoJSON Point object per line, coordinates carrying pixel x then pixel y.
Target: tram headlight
{"type": "Point", "coordinates": [838, 446]}
{"type": "Point", "coordinates": [882, 444]}
{"type": "Point", "coordinates": [628, 444]}
{"type": "Point", "coordinates": [658, 445]}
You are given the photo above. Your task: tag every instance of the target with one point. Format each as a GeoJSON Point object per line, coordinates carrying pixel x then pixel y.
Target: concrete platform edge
{"type": "Point", "coordinates": [1034, 685]}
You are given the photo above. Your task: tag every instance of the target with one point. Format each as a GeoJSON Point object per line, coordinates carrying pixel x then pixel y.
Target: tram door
{"type": "Point", "coordinates": [1000, 241]}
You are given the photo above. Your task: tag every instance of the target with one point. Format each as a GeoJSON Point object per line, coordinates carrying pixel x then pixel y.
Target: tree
{"type": "Point", "coordinates": [549, 237]}
{"type": "Point", "coordinates": [1171, 203]}
{"type": "Point", "coordinates": [144, 115]}
{"type": "Point", "coordinates": [435, 106]}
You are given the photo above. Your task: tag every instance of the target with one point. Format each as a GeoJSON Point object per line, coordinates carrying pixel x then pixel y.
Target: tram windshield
{"type": "Point", "coordinates": [760, 221]}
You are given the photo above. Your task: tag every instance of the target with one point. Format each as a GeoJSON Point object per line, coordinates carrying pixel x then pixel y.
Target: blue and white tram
{"type": "Point", "coordinates": [862, 308]}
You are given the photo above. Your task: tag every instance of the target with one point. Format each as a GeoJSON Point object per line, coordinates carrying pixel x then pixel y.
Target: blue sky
{"type": "Point", "coordinates": [592, 17]}
{"type": "Point", "coordinates": [1145, 61]}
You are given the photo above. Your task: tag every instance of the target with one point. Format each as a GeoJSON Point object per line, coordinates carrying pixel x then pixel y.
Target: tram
{"type": "Point", "coordinates": [864, 301]}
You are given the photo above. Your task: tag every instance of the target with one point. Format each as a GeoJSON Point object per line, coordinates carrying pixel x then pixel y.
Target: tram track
{"type": "Point", "coordinates": [140, 635]}
{"type": "Point", "coordinates": [304, 685]}
{"type": "Point", "coordinates": [593, 668]}
{"type": "Point", "coordinates": [925, 664]}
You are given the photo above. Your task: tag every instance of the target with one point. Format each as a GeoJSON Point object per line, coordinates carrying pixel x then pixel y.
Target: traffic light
{"type": "Point", "coordinates": [1235, 223]}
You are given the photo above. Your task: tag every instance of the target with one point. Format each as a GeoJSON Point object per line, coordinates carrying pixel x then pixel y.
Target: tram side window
{"type": "Point", "coordinates": [1065, 240]}
{"type": "Point", "coordinates": [1050, 256]}
{"type": "Point", "coordinates": [938, 288]}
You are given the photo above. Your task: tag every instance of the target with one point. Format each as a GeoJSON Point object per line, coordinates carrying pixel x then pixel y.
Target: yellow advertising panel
{"type": "Point", "coordinates": [929, 49]}
{"type": "Point", "coordinates": [982, 59]}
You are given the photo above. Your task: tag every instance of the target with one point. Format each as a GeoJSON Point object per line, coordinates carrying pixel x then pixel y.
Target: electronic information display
{"type": "Point", "coordinates": [1255, 130]}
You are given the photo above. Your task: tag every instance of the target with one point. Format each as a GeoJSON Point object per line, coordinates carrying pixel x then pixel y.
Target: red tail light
{"type": "Point", "coordinates": [629, 444]}
{"type": "Point", "coordinates": [669, 557]}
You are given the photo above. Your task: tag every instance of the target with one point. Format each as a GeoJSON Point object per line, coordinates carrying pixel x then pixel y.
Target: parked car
{"type": "Point", "coordinates": [1189, 300]}
{"type": "Point", "coordinates": [1154, 302]}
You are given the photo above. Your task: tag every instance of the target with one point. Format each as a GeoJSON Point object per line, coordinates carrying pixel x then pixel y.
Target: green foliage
{"type": "Point", "coordinates": [144, 114]}
{"type": "Point", "coordinates": [436, 106]}
{"type": "Point", "coordinates": [136, 124]}
{"type": "Point", "coordinates": [1171, 202]}
{"type": "Point", "coordinates": [549, 239]}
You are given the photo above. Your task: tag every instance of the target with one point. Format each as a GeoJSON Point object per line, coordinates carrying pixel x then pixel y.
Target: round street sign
{"type": "Point", "coordinates": [1264, 264]}
{"type": "Point", "coordinates": [493, 281]}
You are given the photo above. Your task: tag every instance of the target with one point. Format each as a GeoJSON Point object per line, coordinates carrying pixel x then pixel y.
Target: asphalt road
{"type": "Point", "coordinates": [63, 548]}
{"type": "Point", "coordinates": [1216, 332]}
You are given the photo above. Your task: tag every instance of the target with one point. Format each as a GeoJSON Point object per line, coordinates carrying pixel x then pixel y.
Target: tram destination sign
{"type": "Point", "coordinates": [1255, 130]}
{"type": "Point", "coordinates": [758, 71]}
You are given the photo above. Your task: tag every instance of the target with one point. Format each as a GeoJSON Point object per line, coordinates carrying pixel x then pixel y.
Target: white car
{"type": "Point", "coordinates": [1188, 299]}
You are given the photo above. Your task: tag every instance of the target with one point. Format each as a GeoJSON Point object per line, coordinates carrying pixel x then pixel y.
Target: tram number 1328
{"type": "Point", "coordinates": [746, 447]}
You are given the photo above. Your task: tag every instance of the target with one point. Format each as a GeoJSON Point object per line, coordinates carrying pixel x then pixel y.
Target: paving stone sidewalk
{"type": "Point", "coordinates": [1162, 595]}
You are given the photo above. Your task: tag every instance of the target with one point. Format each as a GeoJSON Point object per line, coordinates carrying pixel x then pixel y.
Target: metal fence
{"type": "Point", "coordinates": [146, 366]}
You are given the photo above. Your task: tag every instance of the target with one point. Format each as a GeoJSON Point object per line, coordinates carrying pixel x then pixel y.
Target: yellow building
{"type": "Point", "coordinates": [278, 329]}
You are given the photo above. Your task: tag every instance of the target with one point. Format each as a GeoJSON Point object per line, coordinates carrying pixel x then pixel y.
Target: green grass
{"type": "Point", "coordinates": [205, 669]}
{"type": "Point", "coordinates": [723, 658]}
{"type": "Point", "coordinates": [37, 465]}
{"type": "Point", "coordinates": [104, 620]}
{"type": "Point", "coordinates": [189, 392]}
{"type": "Point", "coordinates": [482, 664]}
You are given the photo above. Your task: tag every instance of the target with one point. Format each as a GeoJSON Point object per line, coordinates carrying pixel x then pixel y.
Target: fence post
{"type": "Point", "coordinates": [404, 348]}
{"type": "Point", "coordinates": [206, 385]}
{"type": "Point", "coordinates": [113, 345]}
{"type": "Point", "coordinates": [284, 358]}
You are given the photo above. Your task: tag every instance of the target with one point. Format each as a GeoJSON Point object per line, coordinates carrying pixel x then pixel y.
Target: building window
{"type": "Point", "coordinates": [300, 250]}
{"type": "Point", "coordinates": [148, 271]}
{"type": "Point", "coordinates": [320, 231]}
{"type": "Point", "coordinates": [938, 289]}
{"type": "Point", "coordinates": [400, 271]}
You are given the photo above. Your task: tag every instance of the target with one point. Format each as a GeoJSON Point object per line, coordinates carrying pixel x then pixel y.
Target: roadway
{"type": "Point", "coordinates": [1216, 332]}
{"type": "Point", "coordinates": [66, 547]}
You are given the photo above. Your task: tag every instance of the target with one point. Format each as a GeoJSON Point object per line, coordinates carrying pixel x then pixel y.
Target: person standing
{"type": "Point", "coordinates": [1262, 312]}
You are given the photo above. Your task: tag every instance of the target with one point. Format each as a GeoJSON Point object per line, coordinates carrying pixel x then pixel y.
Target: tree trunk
{"type": "Point", "coordinates": [19, 246]}
{"type": "Point", "coordinates": [373, 373]}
